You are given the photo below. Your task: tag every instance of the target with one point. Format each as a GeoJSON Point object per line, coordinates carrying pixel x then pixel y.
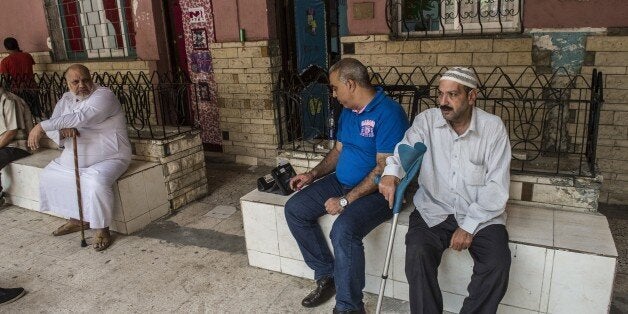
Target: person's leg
{"type": "Point", "coordinates": [424, 250]}
{"type": "Point", "coordinates": [9, 154]}
{"type": "Point", "coordinates": [9, 295]}
{"type": "Point", "coordinates": [351, 226]}
{"type": "Point", "coordinates": [491, 257]}
{"type": "Point", "coordinates": [302, 212]}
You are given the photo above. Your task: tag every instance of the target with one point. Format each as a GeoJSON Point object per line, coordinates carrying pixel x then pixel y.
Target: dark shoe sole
{"type": "Point", "coordinates": [15, 298]}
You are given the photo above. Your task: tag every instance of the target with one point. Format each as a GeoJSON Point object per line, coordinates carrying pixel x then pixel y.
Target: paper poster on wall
{"type": "Point", "coordinates": [200, 62]}
{"type": "Point", "coordinates": [197, 15]}
{"type": "Point", "coordinates": [199, 39]}
{"type": "Point", "coordinates": [203, 91]}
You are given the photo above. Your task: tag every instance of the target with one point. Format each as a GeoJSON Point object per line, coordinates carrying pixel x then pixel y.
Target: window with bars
{"type": "Point", "coordinates": [89, 29]}
{"type": "Point", "coordinates": [454, 17]}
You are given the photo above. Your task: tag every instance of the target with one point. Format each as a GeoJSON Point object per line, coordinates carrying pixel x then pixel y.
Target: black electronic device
{"type": "Point", "coordinates": [282, 175]}
{"type": "Point", "coordinates": [278, 181]}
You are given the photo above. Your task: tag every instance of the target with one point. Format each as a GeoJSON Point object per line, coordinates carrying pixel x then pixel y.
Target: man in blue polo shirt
{"type": "Point", "coordinates": [370, 126]}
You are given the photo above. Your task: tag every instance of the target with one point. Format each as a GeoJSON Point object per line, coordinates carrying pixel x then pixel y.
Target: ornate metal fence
{"type": "Point", "coordinates": [157, 106]}
{"type": "Point", "coordinates": [425, 18]}
{"type": "Point", "coordinates": [552, 119]}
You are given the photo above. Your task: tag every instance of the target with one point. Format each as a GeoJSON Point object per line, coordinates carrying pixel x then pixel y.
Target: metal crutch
{"type": "Point", "coordinates": [411, 158]}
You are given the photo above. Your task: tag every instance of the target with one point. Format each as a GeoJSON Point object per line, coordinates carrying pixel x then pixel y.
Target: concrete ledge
{"type": "Point", "coordinates": [140, 193]}
{"type": "Point", "coordinates": [562, 261]}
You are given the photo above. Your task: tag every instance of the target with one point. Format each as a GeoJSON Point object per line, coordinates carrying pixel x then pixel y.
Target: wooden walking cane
{"type": "Point", "coordinates": [78, 190]}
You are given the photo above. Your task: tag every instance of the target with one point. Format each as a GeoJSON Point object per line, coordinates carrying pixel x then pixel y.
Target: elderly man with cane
{"type": "Point", "coordinates": [92, 117]}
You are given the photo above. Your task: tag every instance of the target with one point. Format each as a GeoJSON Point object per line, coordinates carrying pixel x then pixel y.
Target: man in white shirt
{"type": "Point", "coordinates": [460, 204]}
{"type": "Point", "coordinates": [15, 120]}
{"type": "Point", "coordinates": [95, 116]}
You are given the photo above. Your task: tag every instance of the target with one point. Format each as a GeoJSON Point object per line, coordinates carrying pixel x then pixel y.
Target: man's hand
{"type": "Point", "coordinates": [387, 186]}
{"type": "Point", "coordinates": [461, 240]}
{"type": "Point", "coordinates": [332, 206]}
{"type": "Point", "coordinates": [34, 136]}
{"type": "Point", "coordinates": [299, 181]}
{"type": "Point", "coordinates": [71, 132]}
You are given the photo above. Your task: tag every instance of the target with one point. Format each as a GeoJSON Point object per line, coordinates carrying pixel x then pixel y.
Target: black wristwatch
{"type": "Point", "coordinates": [343, 202]}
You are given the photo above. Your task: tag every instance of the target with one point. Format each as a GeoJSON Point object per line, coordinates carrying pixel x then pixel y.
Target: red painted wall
{"type": "Point", "coordinates": [256, 16]}
{"type": "Point", "coordinates": [575, 13]}
{"type": "Point", "coordinates": [377, 25]}
{"type": "Point", "coordinates": [25, 20]}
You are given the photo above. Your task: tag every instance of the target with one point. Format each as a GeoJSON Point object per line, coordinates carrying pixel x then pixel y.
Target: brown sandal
{"type": "Point", "coordinates": [69, 227]}
{"type": "Point", "coordinates": [102, 240]}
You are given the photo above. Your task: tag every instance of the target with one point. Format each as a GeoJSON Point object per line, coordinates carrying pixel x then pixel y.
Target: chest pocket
{"type": "Point", "coordinates": [475, 174]}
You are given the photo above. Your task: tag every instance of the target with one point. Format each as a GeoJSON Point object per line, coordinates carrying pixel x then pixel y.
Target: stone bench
{"type": "Point", "coordinates": [562, 261]}
{"type": "Point", "coordinates": [140, 193]}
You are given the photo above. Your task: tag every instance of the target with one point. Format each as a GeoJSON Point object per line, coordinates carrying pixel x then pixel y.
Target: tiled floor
{"type": "Point", "coordinates": [193, 261]}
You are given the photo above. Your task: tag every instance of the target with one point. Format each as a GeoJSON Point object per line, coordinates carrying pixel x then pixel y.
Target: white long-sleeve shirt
{"type": "Point", "coordinates": [465, 175]}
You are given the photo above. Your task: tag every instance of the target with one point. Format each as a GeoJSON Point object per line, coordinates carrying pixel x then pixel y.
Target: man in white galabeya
{"type": "Point", "coordinates": [461, 200]}
{"type": "Point", "coordinates": [94, 114]}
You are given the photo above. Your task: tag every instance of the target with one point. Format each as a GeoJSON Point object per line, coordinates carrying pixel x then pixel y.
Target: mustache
{"type": "Point", "coordinates": [445, 107]}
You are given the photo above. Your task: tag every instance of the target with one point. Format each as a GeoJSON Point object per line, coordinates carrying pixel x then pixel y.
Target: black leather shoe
{"type": "Point", "coordinates": [325, 289]}
{"type": "Point", "coordinates": [360, 311]}
{"type": "Point", "coordinates": [10, 295]}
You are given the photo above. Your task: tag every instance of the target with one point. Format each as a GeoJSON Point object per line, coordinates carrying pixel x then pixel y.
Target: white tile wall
{"type": "Point", "coordinates": [581, 283]}
{"type": "Point", "coordinates": [260, 227]}
{"type": "Point", "coordinates": [139, 196]}
{"type": "Point", "coordinates": [542, 276]}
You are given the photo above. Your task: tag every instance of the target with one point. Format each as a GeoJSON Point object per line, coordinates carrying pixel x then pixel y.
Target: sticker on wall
{"type": "Point", "coordinates": [203, 91]}
{"type": "Point", "coordinates": [200, 62]}
{"type": "Point", "coordinates": [197, 15]}
{"type": "Point", "coordinates": [199, 39]}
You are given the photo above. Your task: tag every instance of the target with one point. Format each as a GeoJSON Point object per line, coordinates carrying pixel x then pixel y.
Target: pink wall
{"type": "Point", "coordinates": [150, 37]}
{"type": "Point", "coordinates": [255, 17]}
{"type": "Point", "coordinates": [25, 20]}
{"type": "Point", "coordinates": [575, 13]}
{"type": "Point", "coordinates": [377, 25]}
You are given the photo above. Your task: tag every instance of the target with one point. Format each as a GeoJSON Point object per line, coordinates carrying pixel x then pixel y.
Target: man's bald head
{"type": "Point", "coordinates": [79, 81]}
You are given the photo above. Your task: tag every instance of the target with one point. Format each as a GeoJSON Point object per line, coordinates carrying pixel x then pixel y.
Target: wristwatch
{"type": "Point", "coordinates": [343, 202]}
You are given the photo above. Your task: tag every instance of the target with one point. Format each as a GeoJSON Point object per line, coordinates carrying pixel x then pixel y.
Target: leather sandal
{"type": "Point", "coordinates": [68, 228]}
{"type": "Point", "coordinates": [102, 240]}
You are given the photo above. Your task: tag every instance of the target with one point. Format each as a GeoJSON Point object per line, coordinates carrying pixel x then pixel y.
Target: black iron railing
{"type": "Point", "coordinates": [157, 106]}
{"type": "Point", "coordinates": [552, 119]}
{"type": "Point", "coordinates": [425, 18]}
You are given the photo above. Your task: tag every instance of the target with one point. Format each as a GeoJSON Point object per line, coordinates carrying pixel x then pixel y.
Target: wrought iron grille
{"type": "Point", "coordinates": [425, 18]}
{"type": "Point", "coordinates": [86, 29]}
{"type": "Point", "coordinates": [552, 119]}
{"type": "Point", "coordinates": [157, 106]}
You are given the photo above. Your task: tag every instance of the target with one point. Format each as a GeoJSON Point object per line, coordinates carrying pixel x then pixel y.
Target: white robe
{"type": "Point", "coordinates": [104, 154]}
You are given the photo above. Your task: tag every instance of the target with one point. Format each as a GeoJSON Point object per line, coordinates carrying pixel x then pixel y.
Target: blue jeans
{"type": "Point", "coordinates": [351, 226]}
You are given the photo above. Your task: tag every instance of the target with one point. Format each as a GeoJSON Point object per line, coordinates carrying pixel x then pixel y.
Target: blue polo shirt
{"type": "Point", "coordinates": [377, 129]}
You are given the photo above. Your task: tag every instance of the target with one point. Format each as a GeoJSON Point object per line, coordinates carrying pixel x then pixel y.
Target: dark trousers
{"type": "Point", "coordinates": [9, 154]}
{"type": "Point", "coordinates": [358, 219]}
{"type": "Point", "coordinates": [424, 250]}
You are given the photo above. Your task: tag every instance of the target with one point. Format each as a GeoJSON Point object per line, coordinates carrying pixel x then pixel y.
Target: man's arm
{"type": "Point", "coordinates": [365, 187]}
{"type": "Point", "coordinates": [7, 137]}
{"type": "Point", "coordinates": [326, 166]}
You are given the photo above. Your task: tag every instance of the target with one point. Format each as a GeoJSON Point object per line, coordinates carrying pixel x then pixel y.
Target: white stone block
{"type": "Point", "coordinates": [296, 267]}
{"type": "Point", "coordinates": [156, 192]}
{"type": "Point", "coordinates": [526, 276]}
{"type": "Point", "coordinates": [454, 273]}
{"type": "Point", "coordinates": [260, 227]}
{"type": "Point", "coordinates": [452, 302]}
{"type": "Point", "coordinates": [402, 291]}
{"type": "Point", "coordinates": [133, 196]}
{"type": "Point", "coordinates": [581, 283]}
{"type": "Point", "coordinates": [264, 260]}
{"type": "Point", "coordinates": [287, 244]}
{"type": "Point", "coordinates": [373, 283]}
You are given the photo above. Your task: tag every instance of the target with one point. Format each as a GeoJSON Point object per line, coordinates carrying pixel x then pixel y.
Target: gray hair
{"type": "Point", "coordinates": [79, 68]}
{"type": "Point", "coordinates": [351, 69]}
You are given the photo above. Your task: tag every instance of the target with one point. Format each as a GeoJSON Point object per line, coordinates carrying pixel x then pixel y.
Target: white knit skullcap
{"type": "Point", "coordinates": [461, 75]}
